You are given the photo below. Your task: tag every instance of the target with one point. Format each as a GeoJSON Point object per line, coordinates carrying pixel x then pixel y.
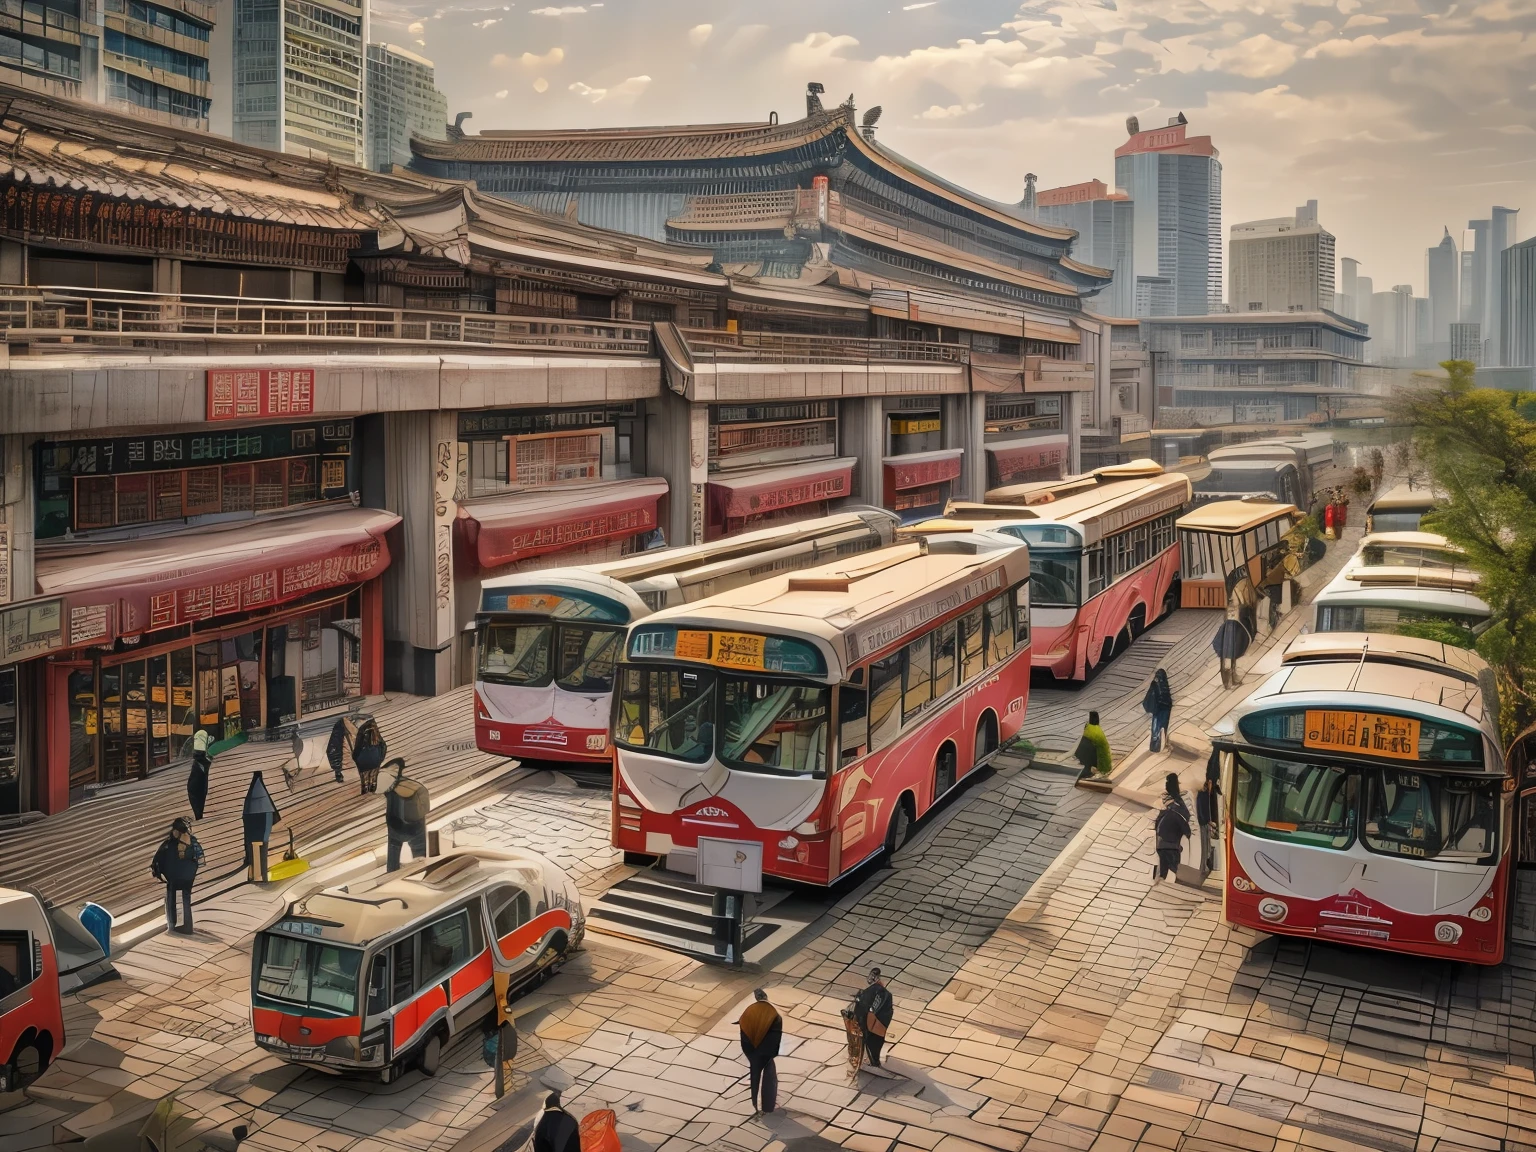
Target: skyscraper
{"type": "Point", "coordinates": [1394, 326]}
{"type": "Point", "coordinates": [403, 101]}
{"type": "Point", "coordinates": [1467, 342]}
{"type": "Point", "coordinates": [1174, 182]}
{"type": "Point", "coordinates": [1105, 236]}
{"type": "Point", "coordinates": [1444, 280]}
{"type": "Point", "coordinates": [1517, 294]}
{"type": "Point", "coordinates": [299, 76]}
{"type": "Point", "coordinates": [1490, 238]}
{"type": "Point", "coordinates": [1347, 301]}
{"type": "Point", "coordinates": [1285, 264]}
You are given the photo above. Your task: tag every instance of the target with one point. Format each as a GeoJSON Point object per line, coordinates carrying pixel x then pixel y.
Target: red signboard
{"type": "Point", "coordinates": [735, 502]}
{"type": "Point", "coordinates": [921, 473]}
{"type": "Point", "coordinates": [260, 393]}
{"type": "Point", "coordinates": [504, 531]}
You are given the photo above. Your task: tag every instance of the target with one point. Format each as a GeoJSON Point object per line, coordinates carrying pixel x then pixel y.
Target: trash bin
{"type": "Point", "coordinates": [98, 922]}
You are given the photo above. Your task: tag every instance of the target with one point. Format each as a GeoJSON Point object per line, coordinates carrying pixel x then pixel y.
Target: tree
{"type": "Point", "coordinates": [1479, 447]}
{"type": "Point", "coordinates": [1378, 465]}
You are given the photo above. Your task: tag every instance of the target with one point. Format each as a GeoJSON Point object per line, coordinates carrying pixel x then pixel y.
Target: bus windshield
{"type": "Point", "coordinates": [1055, 563]}
{"type": "Point", "coordinates": [773, 725]}
{"type": "Point", "coordinates": [515, 654]}
{"type": "Point", "coordinates": [668, 710]}
{"type": "Point", "coordinates": [1455, 628]}
{"type": "Point", "coordinates": [1430, 816]}
{"type": "Point", "coordinates": [308, 974]}
{"type": "Point", "coordinates": [1295, 801]}
{"type": "Point", "coordinates": [586, 656]}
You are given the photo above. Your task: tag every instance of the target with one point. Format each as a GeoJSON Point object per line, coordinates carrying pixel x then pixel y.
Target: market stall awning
{"type": "Point", "coordinates": [769, 489]}
{"type": "Point", "coordinates": [128, 587]}
{"type": "Point", "coordinates": [922, 469]}
{"type": "Point", "coordinates": [504, 529]}
{"type": "Point", "coordinates": [1025, 456]}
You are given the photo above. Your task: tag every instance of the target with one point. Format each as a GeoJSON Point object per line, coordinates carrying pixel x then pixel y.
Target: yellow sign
{"type": "Point", "coordinates": [1370, 733]}
{"type": "Point", "coordinates": [532, 602]}
{"type": "Point", "coordinates": [914, 427]}
{"type": "Point", "coordinates": [727, 649]}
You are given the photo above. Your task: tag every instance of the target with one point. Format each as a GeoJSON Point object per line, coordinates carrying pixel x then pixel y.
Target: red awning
{"type": "Point", "coordinates": [768, 489]}
{"type": "Point", "coordinates": [134, 586]}
{"type": "Point", "coordinates": [505, 529]}
{"type": "Point", "coordinates": [922, 469]}
{"type": "Point", "coordinates": [1027, 454]}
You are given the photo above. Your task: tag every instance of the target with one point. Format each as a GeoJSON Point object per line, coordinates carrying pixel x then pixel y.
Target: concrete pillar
{"type": "Point", "coordinates": [167, 276]}
{"type": "Point", "coordinates": [861, 434]}
{"type": "Point", "coordinates": [677, 446]}
{"type": "Point", "coordinates": [17, 516]}
{"type": "Point", "coordinates": [420, 450]}
{"type": "Point", "coordinates": [1072, 416]}
{"type": "Point", "coordinates": [965, 426]}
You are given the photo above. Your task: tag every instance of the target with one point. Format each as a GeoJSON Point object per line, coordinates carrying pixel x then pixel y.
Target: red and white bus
{"type": "Point", "coordinates": [1368, 801]}
{"type": "Point", "coordinates": [819, 715]}
{"type": "Point", "coordinates": [31, 1011]}
{"type": "Point", "coordinates": [1104, 563]}
{"type": "Point", "coordinates": [548, 641]}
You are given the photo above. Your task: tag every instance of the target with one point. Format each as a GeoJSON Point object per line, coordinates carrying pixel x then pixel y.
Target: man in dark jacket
{"type": "Point", "coordinates": [557, 1130]}
{"type": "Point", "coordinates": [1171, 827]}
{"type": "Point", "coordinates": [175, 864]}
{"type": "Point", "coordinates": [406, 806]}
{"type": "Point", "coordinates": [873, 1009]}
{"type": "Point", "coordinates": [761, 1032]}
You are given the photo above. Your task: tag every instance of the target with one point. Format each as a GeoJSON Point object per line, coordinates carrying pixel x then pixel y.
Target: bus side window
{"type": "Point", "coordinates": [943, 659]}
{"type": "Point", "coordinates": [15, 962]}
{"type": "Point", "coordinates": [972, 654]}
{"type": "Point", "coordinates": [919, 679]}
{"type": "Point", "coordinates": [852, 723]}
{"type": "Point", "coordinates": [378, 985]}
{"type": "Point", "coordinates": [999, 630]}
{"type": "Point", "coordinates": [403, 987]}
{"type": "Point", "coordinates": [510, 910]}
{"type": "Point", "coordinates": [1094, 558]}
{"type": "Point", "coordinates": [445, 947]}
{"type": "Point", "coordinates": [1021, 614]}
{"type": "Point", "coordinates": [885, 700]}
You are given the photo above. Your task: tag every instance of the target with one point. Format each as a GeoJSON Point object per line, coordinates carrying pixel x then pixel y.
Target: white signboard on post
{"type": "Point", "coordinates": [734, 865]}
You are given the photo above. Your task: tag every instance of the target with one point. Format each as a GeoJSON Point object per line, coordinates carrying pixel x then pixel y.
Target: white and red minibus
{"type": "Point", "coordinates": [31, 1011]}
{"type": "Point", "coordinates": [1368, 801]}
{"type": "Point", "coordinates": [818, 715]}
{"type": "Point", "coordinates": [379, 979]}
{"type": "Point", "coordinates": [548, 641]}
{"type": "Point", "coordinates": [1104, 564]}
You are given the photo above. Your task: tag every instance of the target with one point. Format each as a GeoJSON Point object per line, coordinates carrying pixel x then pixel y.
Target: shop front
{"type": "Point", "coordinates": [230, 628]}
{"type": "Point", "coordinates": [919, 485]}
{"type": "Point", "coordinates": [1018, 460]}
{"type": "Point", "coordinates": [738, 502]}
{"type": "Point", "coordinates": [510, 451]}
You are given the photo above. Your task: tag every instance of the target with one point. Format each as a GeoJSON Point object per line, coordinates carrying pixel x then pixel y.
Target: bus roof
{"type": "Point", "coordinates": [1411, 576]}
{"type": "Point", "coordinates": [1385, 646]}
{"type": "Point", "coordinates": [1234, 517]}
{"type": "Point", "coordinates": [861, 604]}
{"type": "Point", "coordinates": [1405, 498]}
{"type": "Point", "coordinates": [1407, 540]}
{"type": "Point", "coordinates": [419, 890]}
{"type": "Point", "coordinates": [1095, 513]}
{"type": "Point", "coordinates": [1044, 491]}
{"type": "Point", "coordinates": [1344, 590]}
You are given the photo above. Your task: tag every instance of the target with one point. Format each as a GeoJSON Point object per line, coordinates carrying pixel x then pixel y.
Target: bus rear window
{"type": "Point", "coordinates": [307, 974]}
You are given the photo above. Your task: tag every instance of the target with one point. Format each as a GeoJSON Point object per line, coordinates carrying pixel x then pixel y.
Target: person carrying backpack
{"type": "Point", "coordinates": [406, 806]}
{"type": "Point", "coordinates": [175, 864]}
{"type": "Point", "coordinates": [368, 751]}
{"type": "Point", "coordinates": [1171, 828]}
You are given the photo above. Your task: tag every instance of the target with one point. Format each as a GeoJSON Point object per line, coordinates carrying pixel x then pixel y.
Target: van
{"type": "Point", "coordinates": [380, 979]}
{"type": "Point", "coordinates": [31, 1011]}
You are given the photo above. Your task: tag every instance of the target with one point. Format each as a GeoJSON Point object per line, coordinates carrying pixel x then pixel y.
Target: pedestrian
{"type": "Point", "coordinates": [197, 778]}
{"type": "Point", "coordinates": [258, 817]}
{"type": "Point", "coordinates": [368, 750]}
{"type": "Point", "coordinates": [406, 805]}
{"type": "Point", "coordinates": [341, 740]}
{"type": "Point", "coordinates": [1207, 810]}
{"type": "Point", "coordinates": [1093, 749]}
{"type": "Point", "coordinates": [1158, 703]}
{"type": "Point", "coordinates": [1229, 644]}
{"type": "Point", "coordinates": [1171, 828]}
{"type": "Point", "coordinates": [761, 1032]}
{"type": "Point", "coordinates": [175, 865]}
{"type": "Point", "coordinates": [873, 1009]}
{"type": "Point", "coordinates": [557, 1130]}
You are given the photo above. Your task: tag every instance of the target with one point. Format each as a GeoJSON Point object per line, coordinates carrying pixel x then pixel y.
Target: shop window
{"type": "Point", "coordinates": [237, 491]}
{"type": "Point", "coordinates": [226, 280]}
{"type": "Point", "coordinates": [557, 458]}
{"type": "Point", "coordinates": [202, 491]}
{"type": "Point", "coordinates": [83, 727]}
{"type": "Point", "coordinates": [332, 655]}
{"type": "Point", "coordinates": [111, 724]}
{"type": "Point", "coordinates": [269, 490]}
{"type": "Point", "coordinates": [303, 480]}
{"type": "Point", "coordinates": [95, 502]}
{"type": "Point", "coordinates": [183, 711]}
{"type": "Point", "coordinates": [166, 488]}
{"type": "Point", "coordinates": [10, 778]}
{"type": "Point", "coordinates": [133, 499]}
{"type": "Point", "coordinates": [61, 271]}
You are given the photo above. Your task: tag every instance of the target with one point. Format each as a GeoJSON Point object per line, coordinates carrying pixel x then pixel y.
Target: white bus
{"type": "Point", "coordinates": [1408, 550]}
{"type": "Point", "coordinates": [1430, 603]}
{"type": "Point", "coordinates": [548, 641]}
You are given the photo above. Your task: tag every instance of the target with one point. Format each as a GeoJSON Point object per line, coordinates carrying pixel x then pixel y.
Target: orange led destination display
{"type": "Point", "coordinates": [1372, 733]}
{"type": "Point", "coordinates": [726, 649]}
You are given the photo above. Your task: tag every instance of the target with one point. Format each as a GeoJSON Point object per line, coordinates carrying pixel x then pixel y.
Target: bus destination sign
{"type": "Point", "coordinates": [726, 649]}
{"type": "Point", "coordinates": [1372, 733]}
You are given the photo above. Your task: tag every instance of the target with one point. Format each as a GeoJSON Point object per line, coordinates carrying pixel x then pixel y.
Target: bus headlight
{"type": "Point", "coordinates": [1447, 932]}
{"type": "Point", "coordinates": [628, 801]}
{"type": "Point", "coordinates": [1243, 884]}
{"type": "Point", "coordinates": [1272, 910]}
{"type": "Point", "coordinates": [789, 843]}
{"type": "Point", "coordinates": [1481, 915]}
{"type": "Point", "coordinates": [809, 828]}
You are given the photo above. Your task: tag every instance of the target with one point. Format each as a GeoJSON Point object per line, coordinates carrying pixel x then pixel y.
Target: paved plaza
{"type": "Point", "coordinates": [1049, 994]}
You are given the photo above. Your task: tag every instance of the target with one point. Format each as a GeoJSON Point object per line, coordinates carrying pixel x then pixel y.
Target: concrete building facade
{"type": "Point", "coordinates": [1467, 342]}
{"type": "Point", "coordinates": [403, 101]}
{"type": "Point", "coordinates": [1443, 281]}
{"type": "Point", "coordinates": [1483, 303]}
{"type": "Point", "coordinates": [1105, 224]}
{"type": "Point", "coordinates": [298, 76]}
{"type": "Point", "coordinates": [1285, 264]}
{"type": "Point", "coordinates": [1394, 327]}
{"type": "Point", "coordinates": [1517, 298]}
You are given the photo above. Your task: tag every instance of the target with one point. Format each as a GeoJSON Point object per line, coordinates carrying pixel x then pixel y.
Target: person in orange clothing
{"type": "Point", "coordinates": [761, 1032]}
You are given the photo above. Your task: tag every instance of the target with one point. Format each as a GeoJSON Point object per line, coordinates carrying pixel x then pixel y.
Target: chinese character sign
{"type": "Point", "coordinates": [260, 393]}
{"type": "Point", "coordinates": [1371, 733]}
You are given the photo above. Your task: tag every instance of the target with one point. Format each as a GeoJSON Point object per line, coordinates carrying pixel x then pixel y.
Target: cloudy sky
{"type": "Point", "coordinates": [1399, 116]}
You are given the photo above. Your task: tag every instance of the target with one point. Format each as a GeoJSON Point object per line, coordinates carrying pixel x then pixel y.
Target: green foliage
{"type": "Point", "coordinates": [1480, 448]}
{"type": "Point", "coordinates": [1360, 482]}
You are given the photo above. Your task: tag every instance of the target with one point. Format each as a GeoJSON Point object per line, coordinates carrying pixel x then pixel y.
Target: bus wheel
{"type": "Point", "coordinates": [28, 1062]}
{"type": "Point", "coordinates": [1138, 622]}
{"type": "Point", "coordinates": [431, 1055]}
{"type": "Point", "coordinates": [986, 739]}
{"type": "Point", "coordinates": [900, 827]}
{"type": "Point", "coordinates": [944, 770]}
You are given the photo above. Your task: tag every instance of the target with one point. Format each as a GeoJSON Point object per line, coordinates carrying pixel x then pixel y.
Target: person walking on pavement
{"type": "Point", "coordinates": [1206, 811]}
{"type": "Point", "coordinates": [1158, 703]}
{"type": "Point", "coordinates": [406, 805]}
{"type": "Point", "coordinates": [1229, 644]}
{"type": "Point", "coordinates": [761, 1032]}
{"type": "Point", "coordinates": [197, 779]}
{"type": "Point", "coordinates": [557, 1130]}
{"type": "Point", "coordinates": [873, 1009]}
{"type": "Point", "coordinates": [258, 816]}
{"type": "Point", "coordinates": [368, 754]}
{"type": "Point", "coordinates": [1093, 749]}
{"type": "Point", "coordinates": [175, 865]}
{"type": "Point", "coordinates": [1171, 828]}
{"type": "Point", "coordinates": [337, 745]}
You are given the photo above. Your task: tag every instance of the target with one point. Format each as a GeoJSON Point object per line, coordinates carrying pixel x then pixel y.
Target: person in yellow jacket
{"type": "Point", "coordinates": [762, 1030]}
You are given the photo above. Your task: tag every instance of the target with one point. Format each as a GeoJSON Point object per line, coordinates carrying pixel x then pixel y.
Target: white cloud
{"type": "Point", "coordinates": [416, 28]}
{"type": "Point", "coordinates": [571, 10]}
{"type": "Point", "coordinates": [915, 7]}
{"type": "Point", "coordinates": [626, 91]}
{"type": "Point", "coordinates": [947, 111]}
{"type": "Point", "coordinates": [1515, 129]}
{"type": "Point", "coordinates": [541, 85]}
{"type": "Point", "coordinates": [551, 58]}
{"type": "Point", "coordinates": [1361, 20]}
{"type": "Point", "coordinates": [699, 33]}
{"type": "Point", "coordinates": [502, 95]}
{"type": "Point", "coordinates": [1259, 57]}
{"type": "Point", "coordinates": [484, 24]}
{"type": "Point", "coordinates": [818, 50]}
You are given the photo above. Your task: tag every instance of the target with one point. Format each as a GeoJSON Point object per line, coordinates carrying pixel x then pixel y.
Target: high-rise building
{"type": "Point", "coordinates": [298, 80]}
{"type": "Point", "coordinates": [1394, 326]}
{"type": "Point", "coordinates": [148, 59]}
{"type": "Point", "coordinates": [1490, 238]}
{"type": "Point", "coordinates": [1444, 286]}
{"type": "Point", "coordinates": [1174, 182]}
{"type": "Point", "coordinates": [1105, 236]}
{"type": "Point", "coordinates": [1284, 264]}
{"type": "Point", "coordinates": [1347, 301]}
{"type": "Point", "coordinates": [1467, 341]}
{"type": "Point", "coordinates": [1423, 331]}
{"type": "Point", "coordinates": [1517, 296]}
{"type": "Point", "coordinates": [403, 101]}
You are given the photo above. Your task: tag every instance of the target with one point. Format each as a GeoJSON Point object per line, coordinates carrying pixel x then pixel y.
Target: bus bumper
{"type": "Point", "coordinates": [542, 742]}
{"type": "Point", "coordinates": [341, 1055]}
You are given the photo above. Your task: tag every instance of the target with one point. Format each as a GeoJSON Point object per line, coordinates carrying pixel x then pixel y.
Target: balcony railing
{"type": "Point", "coordinates": [706, 346]}
{"type": "Point", "coordinates": [71, 317]}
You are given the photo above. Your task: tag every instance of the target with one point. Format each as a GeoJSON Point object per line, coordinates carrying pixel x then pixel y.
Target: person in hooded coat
{"type": "Point", "coordinates": [337, 745]}
{"type": "Point", "coordinates": [406, 806]}
{"type": "Point", "coordinates": [762, 1030]}
{"type": "Point", "coordinates": [368, 751]}
{"type": "Point", "coordinates": [197, 778]}
{"type": "Point", "coordinates": [175, 864]}
{"type": "Point", "coordinates": [557, 1130]}
{"type": "Point", "coordinates": [873, 1009]}
{"type": "Point", "coordinates": [259, 814]}
{"type": "Point", "coordinates": [1158, 703]}
{"type": "Point", "coordinates": [1229, 644]}
{"type": "Point", "coordinates": [1093, 749]}
{"type": "Point", "coordinates": [1171, 826]}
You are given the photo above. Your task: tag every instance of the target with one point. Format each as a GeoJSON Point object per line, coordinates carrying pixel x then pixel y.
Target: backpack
{"type": "Point", "coordinates": [1171, 827]}
{"type": "Point", "coordinates": [412, 805]}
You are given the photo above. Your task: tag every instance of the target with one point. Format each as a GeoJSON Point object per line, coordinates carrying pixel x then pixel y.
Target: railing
{"type": "Point", "coordinates": [73, 317]}
{"type": "Point", "coordinates": [741, 207]}
{"type": "Point", "coordinates": [782, 348]}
